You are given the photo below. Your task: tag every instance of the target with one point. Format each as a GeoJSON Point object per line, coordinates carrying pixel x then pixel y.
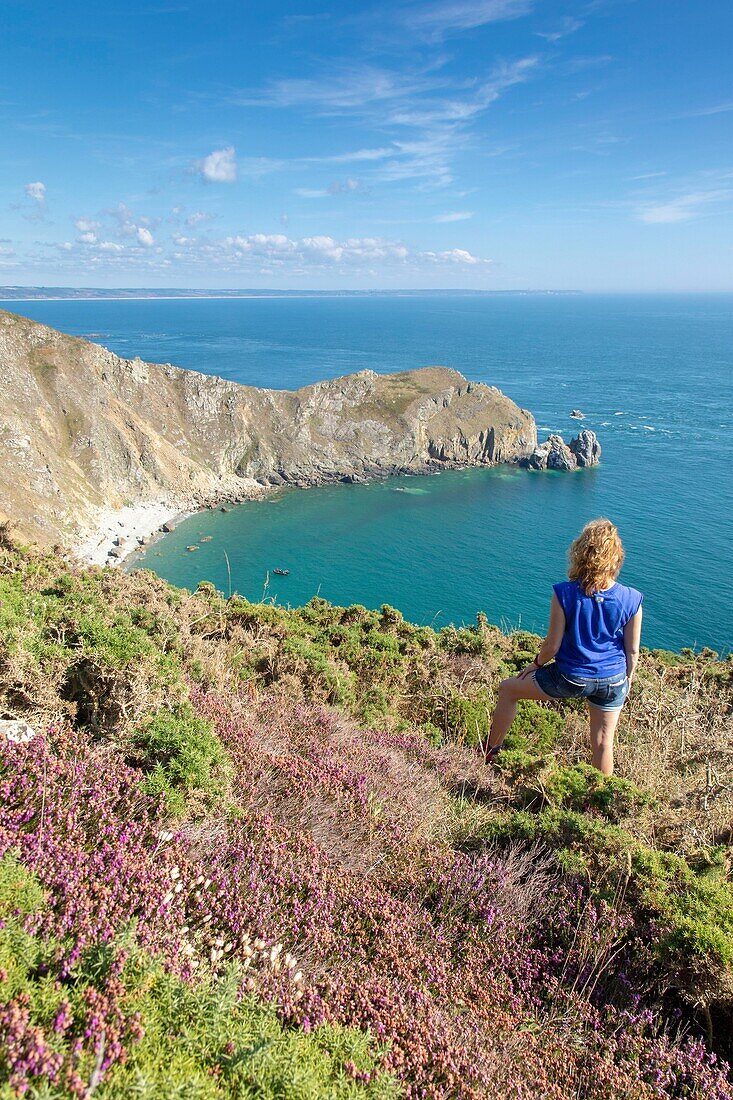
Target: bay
{"type": "Point", "coordinates": [652, 373]}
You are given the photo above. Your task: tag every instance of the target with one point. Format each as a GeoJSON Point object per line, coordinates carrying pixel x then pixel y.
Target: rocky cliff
{"type": "Point", "coordinates": [82, 430]}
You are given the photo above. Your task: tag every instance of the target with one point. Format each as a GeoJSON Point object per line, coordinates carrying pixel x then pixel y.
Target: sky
{"type": "Point", "coordinates": [479, 144]}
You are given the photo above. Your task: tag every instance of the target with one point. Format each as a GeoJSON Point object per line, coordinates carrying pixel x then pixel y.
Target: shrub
{"type": "Point", "coordinates": [387, 864]}
{"type": "Point", "coordinates": [536, 728]}
{"type": "Point", "coordinates": [180, 754]}
{"type": "Point", "coordinates": [691, 932]}
{"type": "Point", "coordinates": [583, 788]}
{"type": "Point", "coordinates": [468, 718]}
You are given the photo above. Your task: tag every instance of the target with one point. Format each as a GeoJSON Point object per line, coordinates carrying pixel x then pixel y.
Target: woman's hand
{"type": "Point", "coordinates": [528, 671]}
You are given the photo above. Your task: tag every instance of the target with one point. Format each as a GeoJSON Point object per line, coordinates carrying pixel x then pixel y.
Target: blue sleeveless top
{"type": "Point", "coordinates": [593, 643]}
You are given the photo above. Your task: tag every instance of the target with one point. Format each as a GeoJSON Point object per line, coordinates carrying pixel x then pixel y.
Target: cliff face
{"type": "Point", "coordinates": [82, 430]}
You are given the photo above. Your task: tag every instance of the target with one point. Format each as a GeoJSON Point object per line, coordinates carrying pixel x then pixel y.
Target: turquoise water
{"type": "Point", "coordinates": [654, 376]}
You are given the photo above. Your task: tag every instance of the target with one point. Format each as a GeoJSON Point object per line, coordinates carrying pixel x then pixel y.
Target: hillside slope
{"type": "Point", "coordinates": [82, 429]}
{"type": "Point", "coordinates": [241, 829]}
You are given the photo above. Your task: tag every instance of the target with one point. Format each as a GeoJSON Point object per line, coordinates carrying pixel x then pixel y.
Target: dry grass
{"type": "Point", "coordinates": [676, 742]}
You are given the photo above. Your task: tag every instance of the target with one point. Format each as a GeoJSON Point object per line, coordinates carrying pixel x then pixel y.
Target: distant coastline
{"type": "Point", "coordinates": [91, 294]}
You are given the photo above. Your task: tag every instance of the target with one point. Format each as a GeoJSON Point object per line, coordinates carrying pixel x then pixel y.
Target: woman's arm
{"type": "Point", "coordinates": [551, 644]}
{"type": "Point", "coordinates": [632, 639]}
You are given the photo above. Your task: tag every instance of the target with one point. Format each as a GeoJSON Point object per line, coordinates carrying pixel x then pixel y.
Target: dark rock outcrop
{"type": "Point", "coordinates": [556, 454]}
{"type": "Point", "coordinates": [586, 448]}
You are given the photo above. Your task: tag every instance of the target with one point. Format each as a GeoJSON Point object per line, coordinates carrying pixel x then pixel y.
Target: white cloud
{"type": "Point", "coordinates": [454, 216]}
{"type": "Point", "coordinates": [338, 187]}
{"type": "Point", "coordinates": [357, 156]}
{"type": "Point", "coordinates": [648, 176]}
{"type": "Point", "coordinates": [682, 208]}
{"type": "Point", "coordinates": [197, 217]}
{"type": "Point", "coordinates": [347, 187]}
{"type": "Point", "coordinates": [319, 251]}
{"type": "Point", "coordinates": [86, 225]}
{"type": "Point", "coordinates": [418, 98]}
{"type": "Point", "coordinates": [426, 157]}
{"type": "Point", "coordinates": [568, 25]}
{"type": "Point", "coordinates": [715, 109]}
{"type": "Point", "coordinates": [439, 19]}
{"type": "Point", "coordinates": [220, 166]}
{"type": "Point", "coordinates": [460, 109]}
{"type": "Point", "coordinates": [36, 191]}
{"type": "Point", "coordinates": [455, 256]}
{"type": "Point", "coordinates": [132, 247]}
{"type": "Point", "coordinates": [429, 112]}
{"type": "Point", "coordinates": [133, 225]}
{"type": "Point", "coordinates": [349, 89]}
{"type": "Point", "coordinates": [125, 219]}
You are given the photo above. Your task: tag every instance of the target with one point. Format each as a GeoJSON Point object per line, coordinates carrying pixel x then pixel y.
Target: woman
{"type": "Point", "coordinates": [594, 635]}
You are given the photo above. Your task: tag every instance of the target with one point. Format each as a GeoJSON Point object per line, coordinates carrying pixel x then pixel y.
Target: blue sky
{"type": "Point", "coordinates": [452, 143]}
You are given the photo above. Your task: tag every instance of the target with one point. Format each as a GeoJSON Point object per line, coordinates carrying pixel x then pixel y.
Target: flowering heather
{"type": "Point", "coordinates": [378, 911]}
{"type": "Point", "coordinates": [432, 960]}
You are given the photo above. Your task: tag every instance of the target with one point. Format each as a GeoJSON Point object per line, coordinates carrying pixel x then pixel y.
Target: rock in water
{"type": "Point", "coordinates": [553, 454]}
{"type": "Point", "coordinates": [556, 454]}
{"type": "Point", "coordinates": [586, 448]}
{"type": "Point", "coordinates": [560, 457]}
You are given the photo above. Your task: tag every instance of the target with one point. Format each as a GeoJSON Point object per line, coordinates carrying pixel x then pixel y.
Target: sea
{"type": "Point", "coordinates": [653, 375]}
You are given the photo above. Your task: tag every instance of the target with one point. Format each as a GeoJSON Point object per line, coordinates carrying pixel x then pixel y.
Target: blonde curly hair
{"type": "Point", "coordinates": [596, 556]}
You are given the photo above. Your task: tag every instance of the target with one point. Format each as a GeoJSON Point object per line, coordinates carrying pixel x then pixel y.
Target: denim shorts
{"type": "Point", "coordinates": [605, 692]}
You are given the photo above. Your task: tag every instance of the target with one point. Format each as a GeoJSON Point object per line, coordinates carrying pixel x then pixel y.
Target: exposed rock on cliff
{"type": "Point", "coordinates": [556, 454]}
{"type": "Point", "coordinates": [82, 430]}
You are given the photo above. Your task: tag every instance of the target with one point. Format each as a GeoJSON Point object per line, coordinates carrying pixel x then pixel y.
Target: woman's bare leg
{"type": "Point", "coordinates": [510, 692]}
{"type": "Point", "coordinates": [602, 729]}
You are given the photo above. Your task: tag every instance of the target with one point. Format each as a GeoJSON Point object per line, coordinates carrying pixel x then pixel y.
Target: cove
{"type": "Point", "coordinates": [441, 548]}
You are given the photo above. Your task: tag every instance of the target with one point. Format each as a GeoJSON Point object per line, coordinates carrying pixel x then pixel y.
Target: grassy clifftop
{"type": "Point", "coordinates": [253, 852]}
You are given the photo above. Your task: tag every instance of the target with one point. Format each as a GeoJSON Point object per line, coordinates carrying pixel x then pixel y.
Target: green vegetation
{"type": "Point", "coordinates": [117, 668]}
{"type": "Point", "coordinates": [120, 663]}
{"type": "Point", "coordinates": [201, 1041]}
{"type": "Point", "coordinates": [181, 754]}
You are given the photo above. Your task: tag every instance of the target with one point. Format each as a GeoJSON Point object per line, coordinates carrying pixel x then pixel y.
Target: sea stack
{"type": "Point", "coordinates": [556, 454]}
